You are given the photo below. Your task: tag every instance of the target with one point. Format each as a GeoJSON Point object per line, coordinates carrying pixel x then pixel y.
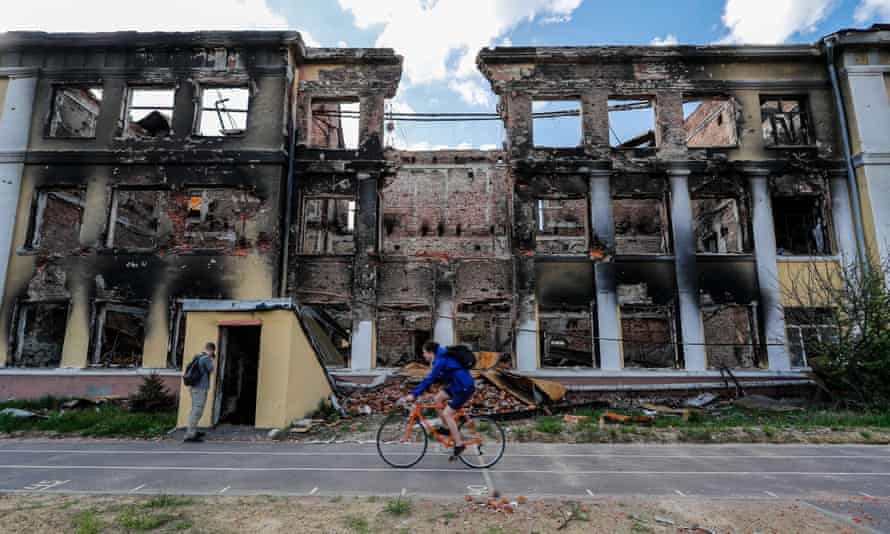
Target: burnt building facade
{"type": "Point", "coordinates": [159, 168]}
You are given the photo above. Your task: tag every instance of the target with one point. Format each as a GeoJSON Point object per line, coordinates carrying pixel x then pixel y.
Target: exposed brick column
{"type": "Point", "coordinates": [364, 288]}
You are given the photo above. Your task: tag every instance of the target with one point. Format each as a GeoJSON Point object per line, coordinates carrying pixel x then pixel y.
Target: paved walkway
{"type": "Point", "coordinates": [535, 470]}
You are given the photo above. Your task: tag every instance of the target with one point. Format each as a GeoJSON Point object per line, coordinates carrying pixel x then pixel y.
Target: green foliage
{"type": "Point", "coordinates": [326, 411]}
{"type": "Point", "coordinates": [87, 522]}
{"type": "Point", "coordinates": [105, 421]}
{"type": "Point", "coordinates": [131, 519]}
{"type": "Point", "coordinates": [398, 506]}
{"type": "Point", "coordinates": [854, 362]}
{"type": "Point", "coordinates": [548, 425]}
{"type": "Point", "coordinates": [165, 501]}
{"type": "Point", "coordinates": [358, 524]}
{"type": "Point", "coordinates": [152, 396]}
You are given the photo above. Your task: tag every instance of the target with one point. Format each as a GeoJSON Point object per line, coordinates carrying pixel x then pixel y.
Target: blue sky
{"type": "Point", "coordinates": [439, 38]}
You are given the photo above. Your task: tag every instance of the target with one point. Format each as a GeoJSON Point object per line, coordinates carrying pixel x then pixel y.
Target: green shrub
{"type": "Point", "coordinates": [152, 396]}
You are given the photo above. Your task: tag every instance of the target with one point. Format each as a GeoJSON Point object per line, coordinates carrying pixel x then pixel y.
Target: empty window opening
{"type": "Point", "coordinates": [217, 218]}
{"type": "Point", "coordinates": [149, 112]}
{"type": "Point", "coordinates": [40, 334]}
{"type": "Point", "coordinates": [805, 330]}
{"type": "Point", "coordinates": [730, 335]}
{"type": "Point", "coordinates": [710, 122]}
{"type": "Point", "coordinates": [334, 125]}
{"type": "Point", "coordinates": [785, 121]}
{"type": "Point", "coordinates": [56, 219]}
{"type": "Point", "coordinates": [718, 226]}
{"type": "Point", "coordinates": [328, 226]}
{"type": "Point", "coordinates": [641, 226]}
{"type": "Point", "coordinates": [562, 226]}
{"type": "Point", "coordinates": [556, 123]}
{"type": "Point", "coordinates": [120, 335]}
{"type": "Point", "coordinates": [223, 111]}
{"type": "Point", "coordinates": [801, 225]}
{"type": "Point", "coordinates": [75, 112]}
{"type": "Point", "coordinates": [133, 222]}
{"type": "Point", "coordinates": [237, 375]}
{"type": "Point", "coordinates": [401, 335]}
{"type": "Point", "coordinates": [567, 339]}
{"type": "Point", "coordinates": [648, 330]}
{"type": "Point", "coordinates": [632, 123]}
{"type": "Point", "coordinates": [484, 327]}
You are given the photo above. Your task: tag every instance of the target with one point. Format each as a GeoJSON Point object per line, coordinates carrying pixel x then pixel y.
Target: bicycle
{"type": "Point", "coordinates": [402, 442]}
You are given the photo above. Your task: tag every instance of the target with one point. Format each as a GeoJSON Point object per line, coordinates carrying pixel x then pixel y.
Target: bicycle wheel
{"type": "Point", "coordinates": [485, 442]}
{"type": "Point", "coordinates": [398, 445]}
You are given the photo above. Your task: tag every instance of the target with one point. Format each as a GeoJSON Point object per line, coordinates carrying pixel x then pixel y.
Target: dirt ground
{"type": "Point", "coordinates": [94, 514]}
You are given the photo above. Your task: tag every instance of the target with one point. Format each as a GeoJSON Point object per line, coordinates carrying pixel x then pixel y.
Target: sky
{"type": "Point", "coordinates": [439, 39]}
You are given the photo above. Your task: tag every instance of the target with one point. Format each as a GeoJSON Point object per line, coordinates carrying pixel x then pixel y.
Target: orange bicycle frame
{"type": "Point", "coordinates": [417, 413]}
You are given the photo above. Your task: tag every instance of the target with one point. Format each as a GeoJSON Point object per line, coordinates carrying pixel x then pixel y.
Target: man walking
{"type": "Point", "coordinates": [204, 364]}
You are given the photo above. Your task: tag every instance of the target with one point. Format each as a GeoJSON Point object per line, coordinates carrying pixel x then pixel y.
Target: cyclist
{"type": "Point", "coordinates": [458, 390]}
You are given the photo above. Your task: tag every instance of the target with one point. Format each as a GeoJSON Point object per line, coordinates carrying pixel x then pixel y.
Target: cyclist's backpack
{"type": "Point", "coordinates": [461, 355]}
{"type": "Point", "coordinates": [193, 372]}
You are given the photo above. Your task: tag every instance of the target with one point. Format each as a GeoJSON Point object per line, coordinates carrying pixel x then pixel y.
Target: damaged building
{"type": "Point", "coordinates": [150, 171]}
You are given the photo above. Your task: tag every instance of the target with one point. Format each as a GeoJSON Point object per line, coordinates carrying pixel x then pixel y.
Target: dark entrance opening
{"type": "Point", "coordinates": [236, 382]}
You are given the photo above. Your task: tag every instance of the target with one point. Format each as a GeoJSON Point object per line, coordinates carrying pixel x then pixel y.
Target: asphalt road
{"type": "Point", "coordinates": [535, 470]}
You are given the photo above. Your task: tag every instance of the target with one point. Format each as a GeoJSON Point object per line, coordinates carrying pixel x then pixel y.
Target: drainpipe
{"type": "Point", "coordinates": [288, 209]}
{"type": "Point", "coordinates": [829, 43]}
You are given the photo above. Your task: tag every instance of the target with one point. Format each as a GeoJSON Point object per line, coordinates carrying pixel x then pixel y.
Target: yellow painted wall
{"type": "Point", "coordinates": [808, 284]}
{"type": "Point", "coordinates": [868, 220]}
{"type": "Point", "coordinates": [291, 382]}
{"type": "Point", "coordinates": [4, 84]}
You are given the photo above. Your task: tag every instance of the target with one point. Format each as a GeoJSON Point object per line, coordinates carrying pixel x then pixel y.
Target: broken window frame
{"type": "Point", "coordinates": [49, 132]}
{"type": "Point", "coordinates": [540, 212]}
{"type": "Point", "coordinates": [577, 122]}
{"type": "Point", "coordinates": [548, 338]}
{"type": "Point", "coordinates": [19, 322]}
{"type": "Point", "coordinates": [176, 338]}
{"type": "Point", "coordinates": [667, 234]}
{"type": "Point", "coordinates": [351, 219]}
{"type": "Point", "coordinates": [744, 213]}
{"type": "Point", "coordinates": [823, 204]}
{"type": "Point", "coordinates": [100, 313]}
{"type": "Point", "coordinates": [729, 107]}
{"type": "Point", "coordinates": [796, 326]}
{"type": "Point", "coordinates": [112, 217]}
{"type": "Point", "coordinates": [806, 135]}
{"type": "Point", "coordinates": [633, 103]}
{"type": "Point", "coordinates": [128, 107]}
{"type": "Point", "coordinates": [200, 109]}
{"type": "Point", "coordinates": [672, 318]}
{"type": "Point", "coordinates": [38, 210]}
{"type": "Point", "coordinates": [353, 116]}
{"type": "Point", "coordinates": [194, 237]}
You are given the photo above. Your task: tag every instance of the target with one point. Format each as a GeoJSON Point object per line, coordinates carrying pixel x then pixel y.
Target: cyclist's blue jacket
{"type": "Point", "coordinates": [449, 371]}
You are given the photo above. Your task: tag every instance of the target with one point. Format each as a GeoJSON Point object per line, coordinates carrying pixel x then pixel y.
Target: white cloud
{"type": "Point", "coordinates": [772, 21]}
{"type": "Point", "coordinates": [668, 40]}
{"type": "Point", "coordinates": [489, 147]}
{"type": "Point", "coordinates": [471, 91]}
{"type": "Point", "coordinates": [557, 19]}
{"type": "Point", "coordinates": [157, 15]}
{"type": "Point", "coordinates": [431, 33]}
{"type": "Point", "coordinates": [872, 9]}
{"type": "Point", "coordinates": [342, 44]}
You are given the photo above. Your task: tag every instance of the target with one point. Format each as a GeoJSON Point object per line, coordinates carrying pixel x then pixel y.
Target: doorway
{"type": "Point", "coordinates": [236, 378]}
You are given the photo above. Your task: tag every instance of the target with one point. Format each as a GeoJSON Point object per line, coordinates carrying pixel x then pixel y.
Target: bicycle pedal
{"type": "Point", "coordinates": [452, 458]}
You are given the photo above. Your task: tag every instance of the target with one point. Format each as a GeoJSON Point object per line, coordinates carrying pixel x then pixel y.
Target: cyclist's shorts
{"type": "Point", "coordinates": [460, 397]}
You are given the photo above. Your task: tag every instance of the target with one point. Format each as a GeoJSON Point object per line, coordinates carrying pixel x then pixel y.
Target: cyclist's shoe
{"type": "Point", "coordinates": [458, 450]}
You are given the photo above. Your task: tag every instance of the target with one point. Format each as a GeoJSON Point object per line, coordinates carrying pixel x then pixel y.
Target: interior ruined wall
{"type": "Point", "coordinates": [178, 260]}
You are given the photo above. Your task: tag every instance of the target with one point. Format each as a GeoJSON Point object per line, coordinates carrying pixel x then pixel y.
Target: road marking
{"type": "Point", "coordinates": [866, 495]}
{"type": "Point", "coordinates": [691, 455]}
{"type": "Point", "coordinates": [314, 491]}
{"type": "Point", "coordinates": [680, 493]}
{"type": "Point", "coordinates": [137, 488]}
{"type": "Point", "coordinates": [225, 489]}
{"type": "Point", "coordinates": [433, 470]}
{"type": "Point", "coordinates": [771, 494]}
{"type": "Point", "coordinates": [590, 493]}
{"type": "Point", "coordinates": [477, 491]}
{"type": "Point", "coordinates": [44, 485]}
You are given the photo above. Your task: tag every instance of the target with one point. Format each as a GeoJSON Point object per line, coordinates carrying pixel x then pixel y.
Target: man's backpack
{"type": "Point", "coordinates": [462, 355]}
{"type": "Point", "coordinates": [193, 373]}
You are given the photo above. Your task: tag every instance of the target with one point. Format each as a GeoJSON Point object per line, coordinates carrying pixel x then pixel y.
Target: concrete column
{"type": "Point", "coordinates": [443, 330]}
{"type": "Point", "coordinates": [527, 336]}
{"type": "Point", "coordinates": [692, 332]}
{"type": "Point", "coordinates": [607, 315]}
{"type": "Point", "coordinates": [768, 271]}
{"type": "Point", "coordinates": [15, 126]}
{"type": "Point", "coordinates": [842, 218]}
{"type": "Point", "coordinates": [364, 287]}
